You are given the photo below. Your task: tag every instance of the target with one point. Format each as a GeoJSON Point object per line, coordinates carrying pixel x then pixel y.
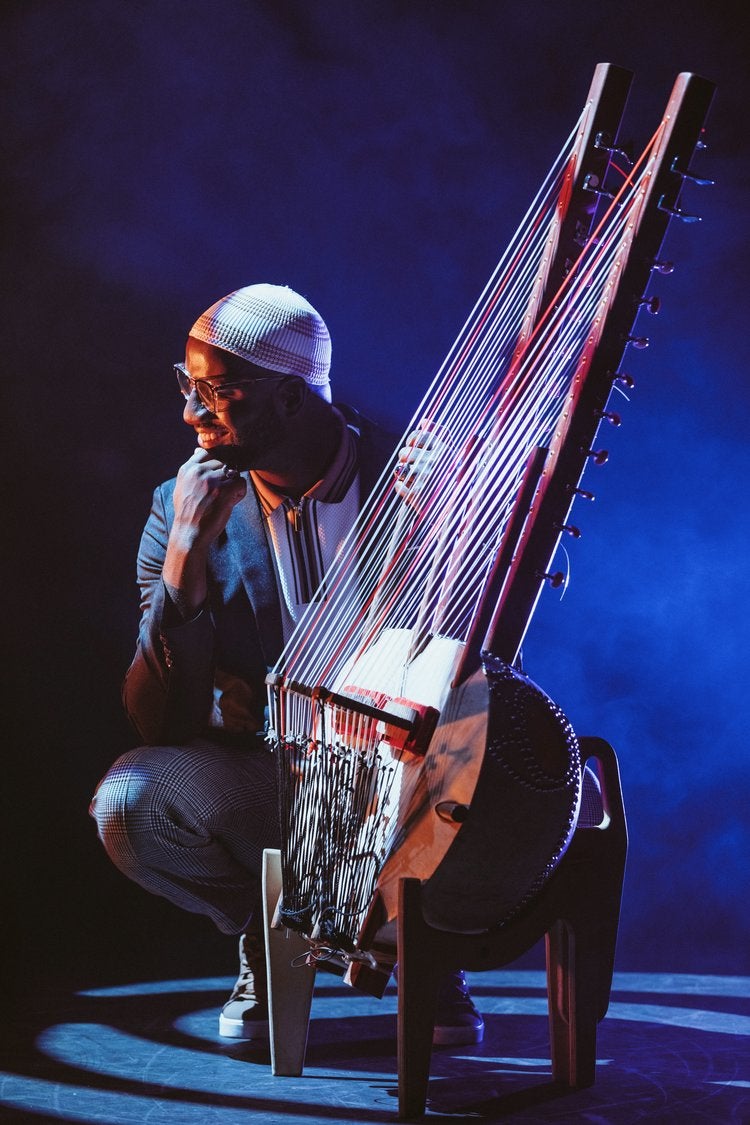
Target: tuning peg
{"type": "Point", "coordinates": [611, 416]}
{"type": "Point", "coordinates": [556, 579]}
{"type": "Point", "coordinates": [664, 268]}
{"type": "Point", "coordinates": [598, 456]}
{"type": "Point", "coordinates": [639, 342]}
{"type": "Point", "coordinates": [702, 181]}
{"type": "Point", "coordinates": [591, 183]}
{"type": "Point", "coordinates": [569, 529]}
{"type": "Point", "coordinates": [583, 493]}
{"type": "Point", "coordinates": [624, 379]}
{"type": "Point", "coordinates": [676, 213]}
{"type": "Point", "coordinates": [651, 305]}
{"type": "Point", "coordinates": [602, 141]}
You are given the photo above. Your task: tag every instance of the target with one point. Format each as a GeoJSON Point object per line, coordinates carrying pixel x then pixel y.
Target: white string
{"type": "Point", "coordinates": [498, 395]}
{"type": "Point", "coordinates": [539, 405]}
{"type": "Point", "coordinates": [458, 405]}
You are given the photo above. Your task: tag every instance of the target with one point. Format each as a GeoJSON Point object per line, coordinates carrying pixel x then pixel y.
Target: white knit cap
{"type": "Point", "coordinates": [273, 327]}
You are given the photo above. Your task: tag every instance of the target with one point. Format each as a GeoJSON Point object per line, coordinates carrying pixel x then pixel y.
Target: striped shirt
{"type": "Point", "coordinates": [306, 535]}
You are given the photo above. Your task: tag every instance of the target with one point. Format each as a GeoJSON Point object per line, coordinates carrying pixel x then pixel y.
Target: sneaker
{"type": "Point", "coordinates": [245, 1014]}
{"type": "Point", "coordinates": [457, 1021]}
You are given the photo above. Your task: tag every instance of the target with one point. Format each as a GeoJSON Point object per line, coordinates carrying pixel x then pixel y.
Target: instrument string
{"type": "Point", "coordinates": [543, 393]}
{"type": "Point", "coordinates": [419, 567]}
{"type": "Point", "coordinates": [466, 402]}
{"type": "Point", "coordinates": [499, 279]}
{"type": "Point", "coordinates": [604, 267]}
{"type": "Point", "coordinates": [342, 780]}
{"type": "Point", "coordinates": [542, 396]}
{"type": "Point", "coordinates": [449, 419]}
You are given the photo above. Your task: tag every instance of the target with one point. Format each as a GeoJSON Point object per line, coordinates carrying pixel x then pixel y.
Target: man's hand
{"type": "Point", "coordinates": [418, 462]}
{"type": "Point", "coordinates": [204, 496]}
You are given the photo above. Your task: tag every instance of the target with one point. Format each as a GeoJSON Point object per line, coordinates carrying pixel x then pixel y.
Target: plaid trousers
{"type": "Point", "coordinates": [190, 823]}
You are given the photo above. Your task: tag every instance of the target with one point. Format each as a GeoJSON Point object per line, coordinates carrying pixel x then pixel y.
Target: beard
{"type": "Point", "coordinates": [234, 457]}
{"type": "Point", "coordinates": [252, 438]}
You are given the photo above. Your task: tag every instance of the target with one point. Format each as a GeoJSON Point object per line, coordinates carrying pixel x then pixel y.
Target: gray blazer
{"type": "Point", "coordinates": [168, 689]}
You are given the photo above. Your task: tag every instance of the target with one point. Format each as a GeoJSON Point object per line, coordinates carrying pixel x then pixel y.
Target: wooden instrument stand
{"type": "Point", "coordinates": [577, 912]}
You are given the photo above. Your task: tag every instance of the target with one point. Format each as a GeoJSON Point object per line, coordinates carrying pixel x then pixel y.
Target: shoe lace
{"type": "Point", "coordinates": [252, 968]}
{"type": "Point", "coordinates": [454, 996]}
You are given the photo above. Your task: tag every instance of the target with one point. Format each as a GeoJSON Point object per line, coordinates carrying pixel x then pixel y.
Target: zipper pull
{"type": "Point", "coordinates": [295, 511]}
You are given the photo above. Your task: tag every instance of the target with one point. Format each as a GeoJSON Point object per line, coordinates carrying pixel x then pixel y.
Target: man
{"type": "Point", "coordinates": [231, 554]}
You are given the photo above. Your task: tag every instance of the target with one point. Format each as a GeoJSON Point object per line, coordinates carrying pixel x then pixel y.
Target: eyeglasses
{"type": "Point", "coordinates": [212, 395]}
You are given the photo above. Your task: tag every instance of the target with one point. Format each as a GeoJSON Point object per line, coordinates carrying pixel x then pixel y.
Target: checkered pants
{"type": "Point", "coordinates": [190, 823]}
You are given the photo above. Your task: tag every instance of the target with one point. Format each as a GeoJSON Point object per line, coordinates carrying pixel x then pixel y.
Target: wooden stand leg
{"type": "Point", "coordinates": [573, 1006]}
{"type": "Point", "coordinates": [418, 976]}
{"type": "Point", "coordinates": [581, 942]}
{"type": "Point", "coordinates": [290, 979]}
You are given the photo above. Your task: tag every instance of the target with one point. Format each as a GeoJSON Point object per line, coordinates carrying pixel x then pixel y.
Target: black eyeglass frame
{"type": "Point", "coordinates": [210, 393]}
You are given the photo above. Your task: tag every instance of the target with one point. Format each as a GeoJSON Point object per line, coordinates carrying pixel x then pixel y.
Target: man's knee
{"type": "Point", "coordinates": [126, 797]}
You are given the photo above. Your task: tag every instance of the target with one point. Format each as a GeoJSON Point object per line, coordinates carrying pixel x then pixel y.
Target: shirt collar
{"type": "Point", "coordinates": [335, 482]}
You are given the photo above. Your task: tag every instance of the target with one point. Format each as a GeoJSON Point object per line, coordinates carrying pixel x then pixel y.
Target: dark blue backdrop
{"type": "Point", "coordinates": [377, 156]}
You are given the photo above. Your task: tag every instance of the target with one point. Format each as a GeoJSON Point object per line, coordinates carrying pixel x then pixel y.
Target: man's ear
{"type": "Point", "coordinates": [292, 393]}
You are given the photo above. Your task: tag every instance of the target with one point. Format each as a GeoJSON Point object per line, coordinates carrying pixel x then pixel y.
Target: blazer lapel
{"type": "Point", "coordinates": [249, 557]}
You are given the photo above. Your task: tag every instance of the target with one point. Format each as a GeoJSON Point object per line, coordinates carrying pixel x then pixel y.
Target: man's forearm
{"type": "Point", "coordinates": [184, 574]}
{"type": "Point", "coordinates": [168, 687]}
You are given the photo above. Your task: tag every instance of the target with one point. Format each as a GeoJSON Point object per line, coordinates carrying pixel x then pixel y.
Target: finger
{"type": "Point", "coordinates": [230, 484]}
{"type": "Point", "coordinates": [423, 443]}
{"type": "Point", "coordinates": [435, 429]}
{"type": "Point", "coordinates": [419, 439]}
{"type": "Point", "coordinates": [405, 477]}
{"type": "Point", "coordinates": [228, 491]}
{"type": "Point", "coordinates": [412, 453]}
{"type": "Point", "coordinates": [201, 456]}
{"type": "Point", "coordinates": [201, 464]}
{"type": "Point", "coordinates": [408, 495]}
{"type": "Point", "coordinates": [239, 490]}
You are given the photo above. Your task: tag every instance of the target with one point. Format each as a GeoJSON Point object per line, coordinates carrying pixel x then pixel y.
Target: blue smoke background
{"type": "Point", "coordinates": [376, 156]}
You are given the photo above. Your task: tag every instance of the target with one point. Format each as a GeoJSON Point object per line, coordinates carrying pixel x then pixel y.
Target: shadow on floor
{"type": "Point", "coordinates": [674, 1048]}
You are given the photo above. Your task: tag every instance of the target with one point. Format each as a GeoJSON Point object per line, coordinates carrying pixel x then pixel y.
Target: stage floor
{"type": "Point", "coordinates": [674, 1048]}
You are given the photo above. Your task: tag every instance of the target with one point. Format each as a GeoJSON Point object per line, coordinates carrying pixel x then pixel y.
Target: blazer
{"type": "Point", "coordinates": [168, 691]}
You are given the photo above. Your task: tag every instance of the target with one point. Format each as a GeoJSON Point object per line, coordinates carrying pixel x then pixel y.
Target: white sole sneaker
{"type": "Point", "coordinates": [243, 1029]}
